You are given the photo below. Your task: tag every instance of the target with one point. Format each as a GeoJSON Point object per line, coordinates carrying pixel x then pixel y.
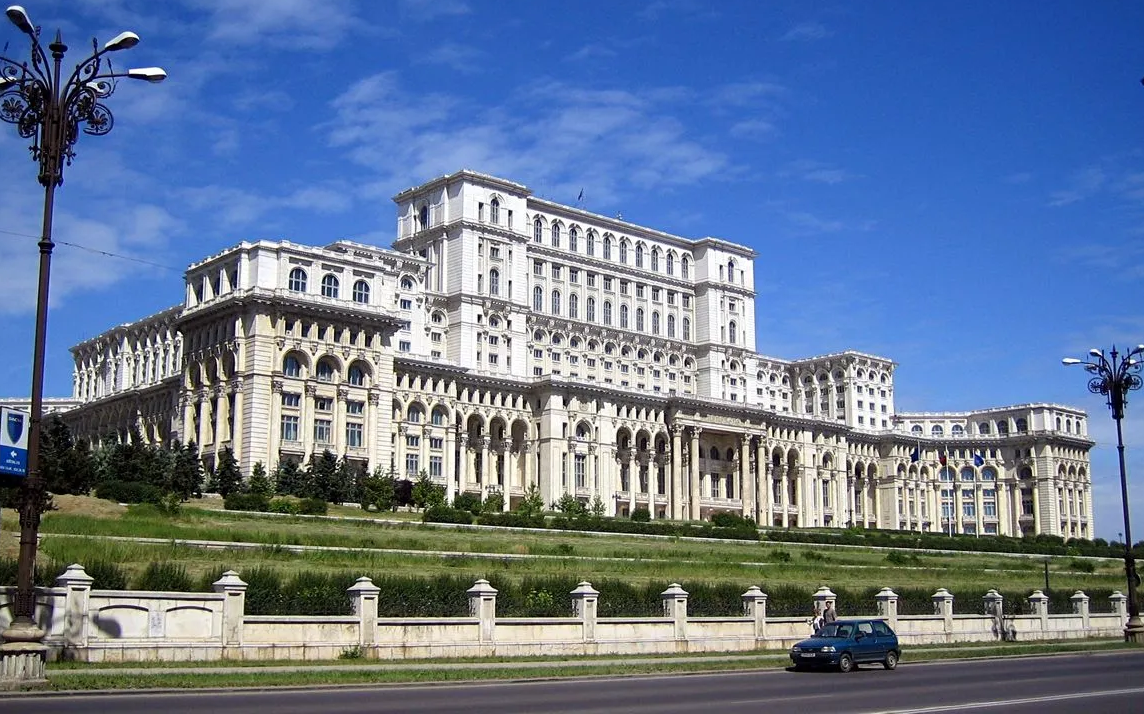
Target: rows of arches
{"type": "Point", "coordinates": [623, 250]}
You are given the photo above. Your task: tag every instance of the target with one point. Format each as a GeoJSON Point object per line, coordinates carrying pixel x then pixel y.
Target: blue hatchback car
{"type": "Point", "coordinates": [847, 643]}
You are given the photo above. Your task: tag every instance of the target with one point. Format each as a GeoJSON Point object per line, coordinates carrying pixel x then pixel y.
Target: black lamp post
{"type": "Point", "coordinates": [50, 108]}
{"type": "Point", "coordinates": [1114, 376]}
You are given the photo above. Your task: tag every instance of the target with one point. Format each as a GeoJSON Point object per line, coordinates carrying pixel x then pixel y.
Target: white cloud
{"type": "Point", "coordinates": [301, 24]}
{"type": "Point", "coordinates": [753, 129]}
{"type": "Point", "coordinates": [1084, 184]}
{"type": "Point", "coordinates": [805, 31]}
{"type": "Point", "coordinates": [591, 51]}
{"type": "Point", "coordinates": [460, 58]}
{"type": "Point", "coordinates": [815, 171]}
{"type": "Point", "coordinates": [426, 10]}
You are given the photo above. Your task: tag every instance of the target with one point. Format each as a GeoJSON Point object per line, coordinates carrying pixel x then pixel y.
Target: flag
{"type": "Point", "coordinates": [978, 460]}
{"type": "Point", "coordinates": [941, 459]}
{"type": "Point", "coordinates": [581, 196]}
{"type": "Point", "coordinates": [915, 455]}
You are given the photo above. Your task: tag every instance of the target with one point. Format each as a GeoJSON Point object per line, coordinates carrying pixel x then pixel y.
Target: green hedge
{"type": "Point", "coordinates": [129, 492]}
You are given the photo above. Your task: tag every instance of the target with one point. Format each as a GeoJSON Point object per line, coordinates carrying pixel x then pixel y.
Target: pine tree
{"type": "Point", "coordinates": [322, 476]}
{"type": "Point", "coordinates": [260, 483]}
{"type": "Point", "coordinates": [65, 465]}
{"type": "Point", "coordinates": [290, 480]}
{"type": "Point", "coordinates": [227, 477]}
{"type": "Point", "coordinates": [186, 476]}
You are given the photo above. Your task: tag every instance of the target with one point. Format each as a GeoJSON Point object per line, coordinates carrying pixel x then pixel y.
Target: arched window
{"type": "Point", "coordinates": [291, 367]}
{"type": "Point", "coordinates": [407, 283]}
{"type": "Point", "coordinates": [361, 292]}
{"type": "Point", "coordinates": [494, 211]}
{"type": "Point", "coordinates": [983, 428]}
{"type": "Point", "coordinates": [590, 309]}
{"type": "Point", "coordinates": [916, 429]}
{"type": "Point", "coordinates": [730, 271]}
{"type": "Point", "coordinates": [957, 430]}
{"type": "Point", "coordinates": [685, 268]}
{"type": "Point", "coordinates": [1003, 427]}
{"type": "Point", "coordinates": [640, 319]}
{"type": "Point", "coordinates": [1059, 424]}
{"type": "Point", "coordinates": [607, 248]}
{"type": "Point", "coordinates": [607, 312]}
{"type": "Point", "coordinates": [590, 243]}
{"type": "Point", "coordinates": [1022, 426]}
{"type": "Point", "coordinates": [936, 430]}
{"type": "Point", "coordinates": [967, 474]}
{"type": "Point", "coordinates": [639, 255]}
{"type": "Point", "coordinates": [574, 306]}
{"type": "Point", "coordinates": [356, 376]}
{"type": "Point", "coordinates": [624, 316]}
{"type": "Point", "coordinates": [538, 298]}
{"type": "Point", "coordinates": [687, 328]}
{"type": "Point", "coordinates": [655, 259]}
{"type": "Point", "coordinates": [655, 323]}
{"type": "Point", "coordinates": [330, 286]}
{"type": "Point", "coordinates": [555, 235]}
{"type": "Point", "coordinates": [537, 231]}
{"type": "Point", "coordinates": [988, 474]}
{"type": "Point", "coordinates": [494, 282]}
{"type": "Point", "coordinates": [573, 240]}
{"type": "Point", "coordinates": [671, 263]}
{"type": "Point", "coordinates": [438, 417]}
{"type": "Point", "coordinates": [297, 283]}
{"type": "Point", "coordinates": [555, 302]}
{"type": "Point", "coordinates": [671, 326]}
{"type": "Point", "coordinates": [423, 217]}
{"type": "Point", "coordinates": [326, 371]}
{"type": "Point", "coordinates": [623, 251]}
{"type": "Point", "coordinates": [732, 330]}
{"type": "Point", "coordinates": [413, 416]}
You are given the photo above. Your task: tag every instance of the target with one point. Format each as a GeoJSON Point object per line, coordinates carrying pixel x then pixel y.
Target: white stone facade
{"type": "Point", "coordinates": [506, 340]}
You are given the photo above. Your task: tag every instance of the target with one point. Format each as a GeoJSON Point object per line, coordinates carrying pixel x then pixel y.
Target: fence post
{"type": "Point", "coordinates": [1080, 607]}
{"type": "Point", "coordinates": [943, 606]}
{"type": "Point", "coordinates": [483, 605]}
{"type": "Point", "coordinates": [78, 584]}
{"type": "Point", "coordinates": [888, 606]}
{"type": "Point", "coordinates": [1120, 606]}
{"type": "Point", "coordinates": [1039, 604]}
{"type": "Point", "coordinates": [584, 601]}
{"type": "Point", "coordinates": [363, 597]}
{"type": "Point", "coordinates": [675, 607]}
{"type": "Point", "coordinates": [755, 607]}
{"type": "Point", "coordinates": [233, 590]}
{"type": "Point", "coordinates": [995, 608]}
{"type": "Point", "coordinates": [822, 597]}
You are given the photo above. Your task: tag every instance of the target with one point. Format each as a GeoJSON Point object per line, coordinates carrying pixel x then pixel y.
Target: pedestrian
{"type": "Point", "coordinates": [815, 621]}
{"type": "Point", "coordinates": [828, 615]}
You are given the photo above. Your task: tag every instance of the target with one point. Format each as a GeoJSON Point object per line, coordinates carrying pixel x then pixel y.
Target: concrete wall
{"type": "Point", "coordinates": [118, 626]}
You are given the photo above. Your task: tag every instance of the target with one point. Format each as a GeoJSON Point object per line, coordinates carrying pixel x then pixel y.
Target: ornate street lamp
{"type": "Point", "coordinates": [49, 108]}
{"type": "Point", "coordinates": [1114, 376]}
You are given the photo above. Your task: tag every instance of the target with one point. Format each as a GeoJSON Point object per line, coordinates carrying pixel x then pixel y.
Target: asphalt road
{"type": "Point", "coordinates": [1089, 683]}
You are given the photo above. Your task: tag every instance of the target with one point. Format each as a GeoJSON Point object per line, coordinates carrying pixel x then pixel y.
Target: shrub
{"type": "Point", "coordinates": [444, 514]}
{"type": "Point", "coordinates": [470, 502]}
{"type": "Point", "coordinates": [1082, 566]}
{"type": "Point", "coordinates": [780, 556]}
{"type": "Point", "coordinates": [732, 520]}
{"type": "Point", "coordinates": [260, 482]}
{"type": "Point", "coordinates": [640, 515]}
{"type": "Point", "coordinates": [511, 520]}
{"type": "Point", "coordinates": [165, 577]}
{"type": "Point", "coordinates": [283, 505]}
{"type": "Point", "coordinates": [170, 504]}
{"type": "Point", "coordinates": [105, 575]}
{"type": "Point", "coordinates": [493, 502]}
{"type": "Point", "coordinates": [246, 502]}
{"type": "Point", "coordinates": [313, 507]}
{"type": "Point", "coordinates": [129, 492]}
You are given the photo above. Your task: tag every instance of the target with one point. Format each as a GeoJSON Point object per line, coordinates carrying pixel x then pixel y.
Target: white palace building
{"type": "Point", "coordinates": [506, 340]}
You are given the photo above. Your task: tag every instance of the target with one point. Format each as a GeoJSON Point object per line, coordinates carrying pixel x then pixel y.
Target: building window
{"type": "Point", "coordinates": [537, 231]}
{"type": "Point", "coordinates": [538, 298]}
{"type": "Point", "coordinates": [412, 466]}
{"type": "Point", "coordinates": [624, 316]}
{"type": "Point", "coordinates": [325, 371]}
{"type": "Point", "coordinates": [361, 292]}
{"type": "Point", "coordinates": [356, 376]}
{"type": "Point", "coordinates": [655, 323]}
{"type": "Point", "coordinates": [405, 304]}
{"type": "Point", "coordinates": [580, 470]}
{"type": "Point", "coordinates": [324, 404]}
{"type": "Point", "coordinates": [291, 367]}
{"type": "Point", "coordinates": [355, 408]}
{"type": "Point", "coordinates": [297, 282]}
{"type": "Point", "coordinates": [330, 286]}
{"type": "Point", "coordinates": [686, 328]}
{"type": "Point", "coordinates": [671, 326]}
{"type": "Point", "coordinates": [607, 312]}
{"type": "Point", "coordinates": [623, 251]}
{"type": "Point", "coordinates": [573, 240]}
{"type": "Point", "coordinates": [640, 319]}
{"type": "Point", "coordinates": [494, 211]}
{"type": "Point", "coordinates": [732, 330]}
{"type": "Point", "coordinates": [574, 306]}
{"type": "Point", "coordinates": [685, 268]}
{"type": "Point", "coordinates": [289, 428]}
{"type": "Point", "coordinates": [590, 243]}
{"type": "Point", "coordinates": [494, 282]}
{"type": "Point", "coordinates": [404, 346]}
{"type": "Point", "coordinates": [639, 255]}
{"type": "Point", "coordinates": [555, 235]}
{"type": "Point", "coordinates": [322, 431]}
{"type": "Point", "coordinates": [436, 468]}
{"type": "Point", "coordinates": [607, 248]}
{"type": "Point", "coordinates": [538, 267]}
{"type": "Point", "coordinates": [555, 302]}
{"type": "Point", "coordinates": [590, 309]}
{"type": "Point", "coordinates": [353, 434]}
{"type": "Point", "coordinates": [671, 263]}
{"type": "Point", "coordinates": [291, 399]}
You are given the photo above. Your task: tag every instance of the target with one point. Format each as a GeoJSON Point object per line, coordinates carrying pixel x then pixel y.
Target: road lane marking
{"type": "Point", "coordinates": [1012, 702]}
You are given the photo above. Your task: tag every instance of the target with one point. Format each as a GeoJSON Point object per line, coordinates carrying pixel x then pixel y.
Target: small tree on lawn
{"type": "Point", "coordinates": [493, 502]}
{"type": "Point", "coordinates": [227, 477]}
{"type": "Point", "coordinates": [260, 483]}
{"type": "Point", "coordinates": [569, 505]}
{"type": "Point", "coordinates": [289, 478]}
{"type": "Point", "coordinates": [532, 504]}
{"type": "Point", "coordinates": [427, 494]}
{"type": "Point", "coordinates": [379, 491]}
{"type": "Point", "coordinates": [186, 476]}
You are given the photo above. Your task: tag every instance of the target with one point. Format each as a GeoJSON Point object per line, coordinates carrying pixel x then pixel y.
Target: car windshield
{"type": "Point", "coordinates": [833, 630]}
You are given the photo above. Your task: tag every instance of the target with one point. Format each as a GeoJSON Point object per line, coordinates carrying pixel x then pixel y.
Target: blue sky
{"type": "Point", "coordinates": [958, 186]}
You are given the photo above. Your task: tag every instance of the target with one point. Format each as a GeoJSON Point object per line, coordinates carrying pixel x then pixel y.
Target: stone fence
{"type": "Point", "coordinates": [123, 625]}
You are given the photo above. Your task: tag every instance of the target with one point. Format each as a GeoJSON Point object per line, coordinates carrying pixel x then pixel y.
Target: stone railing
{"type": "Point", "coordinates": [119, 625]}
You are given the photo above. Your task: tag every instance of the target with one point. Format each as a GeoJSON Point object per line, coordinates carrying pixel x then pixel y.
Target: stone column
{"type": "Point", "coordinates": [943, 607]}
{"type": "Point", "coordinates": [994, 606]}
{"type": "Point", "coordinates": [464, 459]}
{"type": "Point", "coordinates": [676, 472]}
{"type": "Point", "coordinates": [483, 606]}
{"type": "Point", "coordinates": [78, 584]}
{"type": "Point", "coordinates": [762, 485]}
{"type": "Point", "coordinates": [450, 466]}
{"type": "Point", "coordinates": [363, 599]}
{"type": "Point", "coordinates": [1036, 504]}
{"type": "Point", "coordinates": [755, 607]}
{"type": "Point", "coordinates": [233, 590]}
{"type": "Point", "coordinates": [1039, 605]}
{"type": "Point", "coordinates": [584, 601]}
{"type": "Point", "coordinates": [675, 607]}
{"type": "Point", "coordinates": [888, 606]}
{"type": "Point", "coordinates": [1080, 607]}
{"type": "Point", "coordinates": [693, 509]}
{"type": "Point", "coordinates": [823, 597]}
{"type": "Point", "coordinates": [1120, 606]}
{"type": "Point", "coordinates": [785, 495]}
{"type": "Point", "coordinates": [486, 472]}
{"type": "Point", "coordinates": [746, 482]}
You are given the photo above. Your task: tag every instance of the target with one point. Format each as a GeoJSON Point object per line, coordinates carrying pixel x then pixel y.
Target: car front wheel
{"type": "Point", "coordinates": [845, 663]}
{"type": "Point", "coordinates": [891, 660]}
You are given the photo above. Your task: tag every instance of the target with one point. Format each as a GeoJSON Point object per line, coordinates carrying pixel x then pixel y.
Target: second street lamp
{"type": "Point", "coordinates": [1114, 375]}
{"type": "Point", "coordinates": [51, 109]}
